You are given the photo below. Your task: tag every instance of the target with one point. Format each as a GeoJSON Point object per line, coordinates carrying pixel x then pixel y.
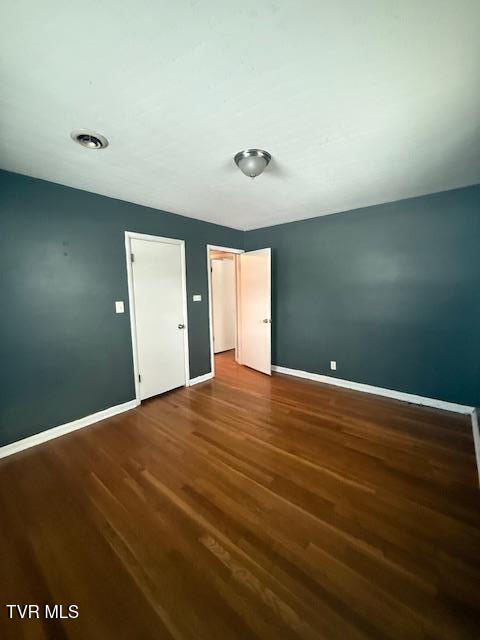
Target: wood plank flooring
{"type": "Point", "coordinates": [248, 508]}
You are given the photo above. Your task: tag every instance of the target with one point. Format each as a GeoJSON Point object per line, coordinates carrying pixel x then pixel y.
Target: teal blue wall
{"type": "Point", "coordinates": [64, 353]}
{"type": "Point", "coordinates": [391, 292]}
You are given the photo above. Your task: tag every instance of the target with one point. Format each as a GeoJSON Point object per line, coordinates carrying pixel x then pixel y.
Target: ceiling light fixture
{"type": "Point", "coordinates": [89, 139]}
{"type": "Point", "coordinates": [252, 162]}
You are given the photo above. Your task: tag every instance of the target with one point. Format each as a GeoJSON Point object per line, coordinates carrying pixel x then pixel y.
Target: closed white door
{"type": "Point", "coordinates": [157, 272]}
{"type": "Point", "coordinates": [223, 304]}
{"type": "Point", "coordinates": [255, 310]}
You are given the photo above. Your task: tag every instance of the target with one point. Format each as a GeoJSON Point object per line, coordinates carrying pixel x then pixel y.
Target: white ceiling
{"type": "Point", "coordinates": [359, 101]}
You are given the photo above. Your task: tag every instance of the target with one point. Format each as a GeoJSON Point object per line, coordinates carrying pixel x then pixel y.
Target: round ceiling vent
{"type": "Point", "coordinates": [89, 139]}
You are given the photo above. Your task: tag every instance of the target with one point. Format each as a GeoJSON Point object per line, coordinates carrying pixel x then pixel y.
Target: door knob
{"type": "Point", "coordinates": [267, 321]}
{"type": "Point", "coordinates": [181, 326]}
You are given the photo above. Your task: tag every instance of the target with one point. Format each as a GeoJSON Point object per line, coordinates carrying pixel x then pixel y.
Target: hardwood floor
{"type": "Point", "coordinates": [248, 507]}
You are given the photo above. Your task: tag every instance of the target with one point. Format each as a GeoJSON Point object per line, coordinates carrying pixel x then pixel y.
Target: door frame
{"type": "Point", "coordinates": [214, 247]}
{"type": "Point", "coordinates": [132, 235]}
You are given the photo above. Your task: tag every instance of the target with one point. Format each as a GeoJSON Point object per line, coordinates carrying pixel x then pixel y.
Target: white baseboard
{"type": "Point", "coordinates": [379, 391]}
{"type": "Point", "coordinates": [476, 439]}
{"type": "Point", "coordinates": [204, 378]}
{"type": "Point", "coordinates": [397, 395]}
{"type": "Point", "coordinates": [62, 429]}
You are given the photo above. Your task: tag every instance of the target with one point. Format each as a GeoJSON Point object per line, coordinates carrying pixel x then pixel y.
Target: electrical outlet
{"type": "Point", "coordinates": [333, 365]}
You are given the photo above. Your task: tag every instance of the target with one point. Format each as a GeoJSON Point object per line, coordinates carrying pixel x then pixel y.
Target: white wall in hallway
{"type": "Point", "coordinates": [223, 303]}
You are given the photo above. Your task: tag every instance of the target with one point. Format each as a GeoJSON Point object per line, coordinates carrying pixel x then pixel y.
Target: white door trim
{"type": "Point", "coordinates": [214, 247]}
{"type": "Point", "coordinates": [131, 235]}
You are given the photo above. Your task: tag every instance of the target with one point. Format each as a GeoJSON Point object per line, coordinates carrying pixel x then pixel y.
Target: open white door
{"type": "Point", "coordinates": [255, 309]}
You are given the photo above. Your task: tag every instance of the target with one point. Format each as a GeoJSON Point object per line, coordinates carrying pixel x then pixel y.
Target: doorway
{"type": "Point", "coordinates": [222, 265]}
{"type": "Point", "coordinates": [224, 303]}
{"type": "Point", "coordinates": [239, 285]}
{"type": "Point", "coordinates": [158, 313]}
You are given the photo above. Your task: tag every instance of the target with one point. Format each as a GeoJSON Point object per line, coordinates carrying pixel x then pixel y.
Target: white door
{"type": "Point", "coordinates": [223, 304]}
{"type": "Point", "coordinates": [255, 310]}
{"type": "Point", "coordinates": [157, 272]}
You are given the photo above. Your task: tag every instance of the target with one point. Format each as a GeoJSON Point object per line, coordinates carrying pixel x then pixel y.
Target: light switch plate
{"type": "Point", "coordinates": [197, 298]}
{"type": "Point", "coordinates": [333, 365]}
{"type": "Point", "coordinates": [119, 306]}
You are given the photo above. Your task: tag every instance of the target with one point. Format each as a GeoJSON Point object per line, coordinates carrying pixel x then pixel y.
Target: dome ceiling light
{"type": "Point", "coordinates": [89, 139]}
{"type": "Point", "coordinates": [252, 162]}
